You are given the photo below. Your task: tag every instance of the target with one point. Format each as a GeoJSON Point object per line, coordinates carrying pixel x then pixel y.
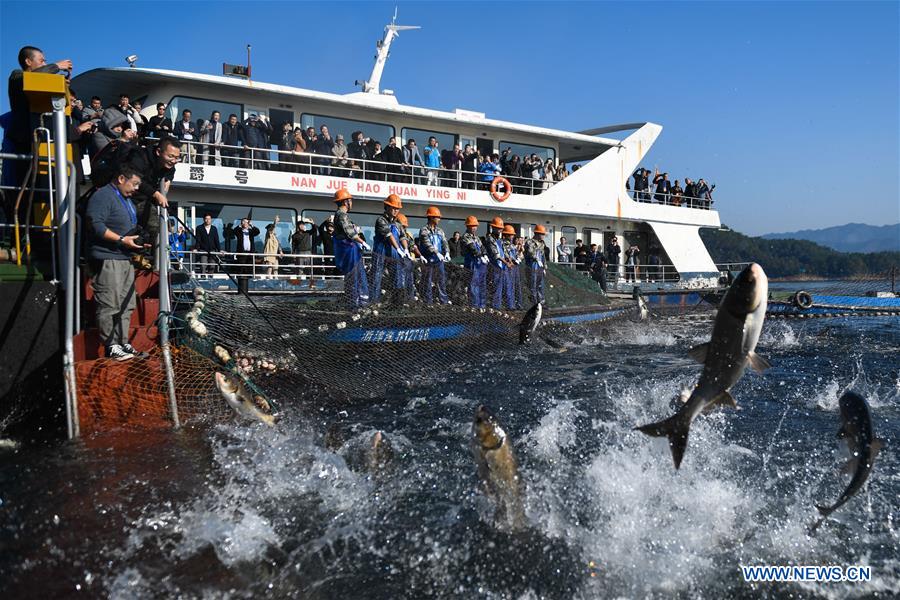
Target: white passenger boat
{"type": "Point", "coordinates": [592, 203]}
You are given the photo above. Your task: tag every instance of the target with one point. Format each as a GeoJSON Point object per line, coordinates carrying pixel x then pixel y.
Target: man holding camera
{"type": "Point", "coordinates": [663, 187]}
{"type": "Point", "coordinates": [113, 222]}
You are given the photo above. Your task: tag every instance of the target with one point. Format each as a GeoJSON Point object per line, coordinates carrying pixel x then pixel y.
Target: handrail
{"type": "Point", "coordinates": [165, 308]}
{"type": "Point", "coordinates": [70, 281]}
{"type": "Point", "coordinates": [650, 197]}
{"type": "Point", "coordinates": [289, 266]}
{"type": "Point", "coordinates": [325, 164]}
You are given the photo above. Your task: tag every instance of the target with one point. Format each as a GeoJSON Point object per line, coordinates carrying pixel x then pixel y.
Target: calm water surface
{"type": "Point", "coordinates": [241, 511]}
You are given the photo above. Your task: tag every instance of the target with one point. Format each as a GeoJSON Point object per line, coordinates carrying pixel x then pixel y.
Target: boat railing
{"type": "Point", "coordinates": [731, 267]}
{"type": "Point", "coordinates": [671, 200]}
{"type": "Point", "coordinates": [25, 200]}
{"type": "Point", "coordinates": [255, 265]}
{"type": "Point", "coordinates": [308, 163]}
{"type": "Point", "coordinates": [622, 273]}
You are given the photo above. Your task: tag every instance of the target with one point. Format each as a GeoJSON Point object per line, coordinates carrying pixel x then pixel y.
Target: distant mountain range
{"type": "Point", "coordinates": [852, 237]}
{"type": "Point", "coordinates": [793, 257]}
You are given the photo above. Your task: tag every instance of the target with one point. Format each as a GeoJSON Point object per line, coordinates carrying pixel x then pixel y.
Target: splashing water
{"type": "Point", "coordinates": [244, 511]}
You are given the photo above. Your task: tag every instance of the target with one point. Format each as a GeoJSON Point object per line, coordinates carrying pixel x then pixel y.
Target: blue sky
{"type": "Point", "coordinates": [791, 108]}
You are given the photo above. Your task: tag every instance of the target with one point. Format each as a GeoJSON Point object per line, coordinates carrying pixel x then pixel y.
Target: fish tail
{"type": "Point", "coordinates": [676, 429]}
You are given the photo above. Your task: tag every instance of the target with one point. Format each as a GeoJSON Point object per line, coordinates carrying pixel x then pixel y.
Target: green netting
{"type": "Point", "coordinates": [299, 345]}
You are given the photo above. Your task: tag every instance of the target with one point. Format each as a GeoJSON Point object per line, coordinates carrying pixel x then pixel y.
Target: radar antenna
{"type": "Point", "coordinates": [383, 47]}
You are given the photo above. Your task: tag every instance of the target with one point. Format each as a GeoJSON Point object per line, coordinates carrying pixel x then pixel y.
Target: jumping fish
{"type": "Point", "coordinates": [643, 310]}
{"type": "Point", "coordinates": [725, 357]}
{"type": "Point", "coordinates": [380, 452]}
{"type": "Point", "coordinates": [242, 401]}
{"type": "Point", "coordinates": [497, 468]}
{"type": "Point", "coordinates": [530, 322]}
{"type": "Point", "coordinates": [372, 453]}
{"type": "Point", "coordinates": [856, 430]}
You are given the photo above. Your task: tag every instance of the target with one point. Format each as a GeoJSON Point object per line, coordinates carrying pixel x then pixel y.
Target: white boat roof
{"type": "Point", "coordinates": [111, 81]}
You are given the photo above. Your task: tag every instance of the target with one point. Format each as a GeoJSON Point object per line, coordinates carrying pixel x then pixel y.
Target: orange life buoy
{"type": "Point", "coordinates": [506, 187]}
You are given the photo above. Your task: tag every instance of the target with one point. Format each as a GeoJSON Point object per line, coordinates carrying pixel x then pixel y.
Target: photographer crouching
{"type": "Point", "coordinates": [115, 238]}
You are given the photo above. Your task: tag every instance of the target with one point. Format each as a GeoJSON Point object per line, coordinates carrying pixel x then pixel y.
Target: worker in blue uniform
{"type": "Point", "coordinates": [513, 281]}
{"type": "Point", "coordinates": [387, 249]}
{"type": "Point", "coordinates": [535, 263]}
{"type": "Point", "coordinates": [476, 261]}
{"type": "Point", "coordinates": [349, 245]}
{"type": "Point", "coordinates": [413, 256]}
{"type": "Point", "coordinates": [498, 262]}
{"type": "Point", "coordinates": [433, 245]}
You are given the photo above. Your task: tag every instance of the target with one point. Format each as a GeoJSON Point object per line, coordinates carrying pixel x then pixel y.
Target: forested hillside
{"type": "Point", "coordinates": [786, 258]}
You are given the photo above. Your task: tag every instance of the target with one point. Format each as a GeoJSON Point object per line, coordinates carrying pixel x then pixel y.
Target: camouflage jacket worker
{"type": "Point", "coordinates": [512, 252]}
{"type": "Point", "coordinates": [496, 251]}
{"type": "Point", "coordinates": [472, 245]}
{"type": "Point", "coordinates": [383, 226]}
{"type": "Point", "coordinates": [343, 226]}
{"type": "Point", "coordinates": [534, 252]}
{"type": "Point", "coordinates": [433, 242]}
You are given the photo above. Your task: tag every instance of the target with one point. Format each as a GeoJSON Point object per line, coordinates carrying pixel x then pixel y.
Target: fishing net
{"type": "Point", "coordinates": [293, 348]}
{"type": "Point", "coordinates": [406, 334]}
{"type": "Point", "coordinates": [872, 295]}
{"type": "Point", "coordinates": [134, 394]}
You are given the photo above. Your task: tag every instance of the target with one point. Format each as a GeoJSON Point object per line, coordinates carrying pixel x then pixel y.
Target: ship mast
{"type": "Point", "coordinates": [383, 47]}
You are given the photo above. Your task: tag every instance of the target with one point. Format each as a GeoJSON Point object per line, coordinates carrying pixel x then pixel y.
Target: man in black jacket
{"type": "Point", "coordinates": [469, 167]}
{"type": "Point", "coordinates": [156, 166]}
{"type": "Point", "coordinates": [256, 136]}
{"type": "Point", "coordinates": [207, 242]}
{"type": "Point", "coordinates": [323, 145]}
{"type": "Point", "coordinates": [613, 250]}
{"type": "Point", "coordinates": [233, 138]}
{"type": "Point", "coordinates": [246, 246]}
{"type": "Point", "coordinates": [357, 151]}
{"type": "Point", "coordinates": [186, 131]}
{"type": "Point", "coordinates": [392, 156]}
{"type": "Point", "coordinates": [23, 121]}
{"type": "Point", "coordinates": [160, 125]}
{"type": "Point", "coordinates": [690, 193]}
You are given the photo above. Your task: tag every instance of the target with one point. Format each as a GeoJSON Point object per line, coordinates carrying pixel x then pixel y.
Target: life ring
{"type": "Point", "coordinates": [497, 195]}
{"type": "Point", "coordinates": [802, 300]}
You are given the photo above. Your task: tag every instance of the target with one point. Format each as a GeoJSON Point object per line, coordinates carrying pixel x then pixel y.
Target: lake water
{"type": "Point", "coordinates": [240, 511]}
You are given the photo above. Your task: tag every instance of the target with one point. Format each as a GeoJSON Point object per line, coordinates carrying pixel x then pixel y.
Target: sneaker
{"type": "Point", "coordinates": [117, 352]}
{"type": "Point", "coordinates": [134, 351]}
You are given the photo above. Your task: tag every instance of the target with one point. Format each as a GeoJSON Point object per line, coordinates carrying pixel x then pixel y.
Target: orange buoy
{"type": "Point", "coordinates": [507, 189]}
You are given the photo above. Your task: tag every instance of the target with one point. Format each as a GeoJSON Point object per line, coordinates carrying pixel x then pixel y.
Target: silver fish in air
{"type": "Point", "coordinates": [725, 357]}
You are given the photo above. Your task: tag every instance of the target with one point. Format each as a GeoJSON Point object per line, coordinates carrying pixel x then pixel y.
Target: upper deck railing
{"type": "Point", "coordinates": [246, 157]}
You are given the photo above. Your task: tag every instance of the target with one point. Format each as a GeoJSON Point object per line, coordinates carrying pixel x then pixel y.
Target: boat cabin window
{"type": "Point", "coordinates": [201, 109]}
{"type": "Point", "coordinates": [227, 217]}
{"type": "Point", "coordinates": [524, 150]}
{"type": "Point", "coordinates": [639, 239]}
{"type": "Point", "coordinates": [445, 140]}
{"type": "Point", "coordinates": [376, 131]}
{"type": "Point", "coordinates": [571, 234]}
{"type": "Point", "coordinates": [484, 146]}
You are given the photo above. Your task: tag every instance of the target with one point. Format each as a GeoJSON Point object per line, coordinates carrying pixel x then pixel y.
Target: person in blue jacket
{"type": "Point", "coordinates": [499, 264]}
{"type": "Point", "coordinates": [476, 261]}
{"type": "Point", "coordinates": [434, 247]}
{"type": "Point", "coordinates": [489, 169]}
{"type": "Point", "coordinates": [177, 244]}
{"type": "Point", "coordinates": [348, 248]}
{"type": "Point", "coordinates": [386, 245]}
{"type": "Point", "coordinates": [535, 263]}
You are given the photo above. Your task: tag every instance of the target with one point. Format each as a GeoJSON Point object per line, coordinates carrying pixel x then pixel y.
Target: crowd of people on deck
{"type": "Point", "coordinates": [693, 195]}
{"type": "Point", "coordinates": [597, 260]}
{"type": "Point", "coordinates": [229, 141]}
